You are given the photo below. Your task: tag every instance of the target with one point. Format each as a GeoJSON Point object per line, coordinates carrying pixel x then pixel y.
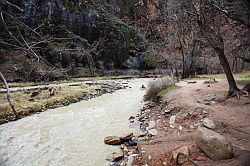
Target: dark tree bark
{"type": "Point", "coordinates": [245, 59]}
{"type": "Point", "coordinates": [217, 44]}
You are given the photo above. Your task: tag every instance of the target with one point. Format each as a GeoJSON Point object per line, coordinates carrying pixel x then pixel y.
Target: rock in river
{"type": "Point", "coordinates": [127, 137]}
{"type": "Point", "coordinates": [112, 140]}
{"type": "Point", "coordinates": [213, 144]}
{"type": "Point", "coordinates": [115, 156]}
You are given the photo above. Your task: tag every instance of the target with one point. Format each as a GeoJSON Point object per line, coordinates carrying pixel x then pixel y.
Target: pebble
{"type": "Point", "coordinates": [151, 125]}
{"type": "Point", "coordinates": [153, 132]}
{"type": "Point", "coordinates": [130, 160]}
{"type": "Point", "coordinates": [172, 120]}
{"type": "Point", "coordinates": [208, 123]}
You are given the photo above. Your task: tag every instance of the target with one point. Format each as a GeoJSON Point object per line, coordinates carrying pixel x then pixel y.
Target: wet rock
{"type": "Point", "coordinates": [130, 143]}
{"type": "Point", "coordinates": [214, 145]}
{"type": "Point", "coordinates": [131, 118]}
{"type": "Point", "coordinates": [115, 156]}
{"type": "Point", "coordinates": [179, 155]}
{"type": "Point", "coordinates": [153, 132]}
{"type": "Point", "coordinates": [115, 164]}
{"type": "Point", "coordinates": [126, 137]}
{"type": "Point", "coordinates": [112, 140]}
{"type": "Point", "coordinates": [208, 123]}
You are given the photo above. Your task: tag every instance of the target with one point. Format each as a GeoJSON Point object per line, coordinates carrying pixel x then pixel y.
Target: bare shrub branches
{"type": "Point", "coordinates": [156, 86]}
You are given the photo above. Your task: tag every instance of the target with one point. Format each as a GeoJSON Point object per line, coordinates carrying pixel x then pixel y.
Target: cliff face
{"type": "Point", "coordinates": [71, 34]}
{"type": "Point", "coordinates": [119, 34]}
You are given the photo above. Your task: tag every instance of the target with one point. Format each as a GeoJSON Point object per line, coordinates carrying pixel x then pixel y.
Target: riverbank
{"type": "Point", "coordinates": [36, 99]}
{"type": "Point", "coordinates": [176, 118]}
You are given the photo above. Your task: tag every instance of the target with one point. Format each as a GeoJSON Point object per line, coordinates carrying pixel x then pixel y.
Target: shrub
{"type": "Point", "coordinates": [156, 86]}
{"type": "Point", "coordinates": [151, 61]}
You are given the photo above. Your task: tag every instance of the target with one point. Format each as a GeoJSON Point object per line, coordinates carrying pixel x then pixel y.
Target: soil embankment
{"type": "Point", "coordinates": [180, 113]}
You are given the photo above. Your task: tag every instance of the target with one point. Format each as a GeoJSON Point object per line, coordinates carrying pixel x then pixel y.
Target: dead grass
{"type": "Point", "coordinates": [240, 78]}
{"type": "Point", "coordinates": [156, 86]}
{"type": "Point", "coordinates": [41, 102]}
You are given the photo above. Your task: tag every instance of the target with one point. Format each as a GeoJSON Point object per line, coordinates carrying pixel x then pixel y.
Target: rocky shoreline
{"type": "Point", "coordinates": [128, 143]}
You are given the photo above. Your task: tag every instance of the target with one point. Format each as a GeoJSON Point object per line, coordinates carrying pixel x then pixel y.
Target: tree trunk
{"type": "Point", "coordinates": [217, 44]}
{"type": "Point", "coordinates": [8, 95]}
{"type": "Point", "coordinates": [226, 67]}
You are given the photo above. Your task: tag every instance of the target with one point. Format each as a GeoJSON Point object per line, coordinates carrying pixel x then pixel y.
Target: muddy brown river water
{"type": "Point", "coordinates": [71, 135]}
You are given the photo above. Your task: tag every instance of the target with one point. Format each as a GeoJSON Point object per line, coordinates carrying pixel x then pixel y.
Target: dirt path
{"type": "Point", "coordinates": [71, 135]}
{"type": "Point", "coordinates": [191, 103]}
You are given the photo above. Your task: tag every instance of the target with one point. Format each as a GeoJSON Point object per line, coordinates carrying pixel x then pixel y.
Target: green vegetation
{"type": "Point", "coordinates": [240, 78]}
{"type": "Point", "coordinates": [151, 60]}
{"type": "Point", "coordinates": [167, 90]}
{"type": "Point", "coordinates": [69, 5]}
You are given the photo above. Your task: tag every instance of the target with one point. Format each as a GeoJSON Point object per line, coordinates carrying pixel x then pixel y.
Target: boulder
{"type": "Point", "coordinates": [112, 140]}
{"type": "Point", "coordinates": [208, 123]}
{"type": "Point", "coordinates": [214, 145]}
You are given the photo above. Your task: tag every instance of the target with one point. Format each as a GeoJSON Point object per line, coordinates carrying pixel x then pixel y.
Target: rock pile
{"type": "Point", "coordinates": [127, 152]}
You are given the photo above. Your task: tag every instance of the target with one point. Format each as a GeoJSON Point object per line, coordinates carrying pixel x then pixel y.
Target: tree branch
{"type": "Point", "coordinates": [245, 59]}
{"type": "Point", "coordinates": [8, 95]}
{"type": "Point", "coordinates": [231, 17]}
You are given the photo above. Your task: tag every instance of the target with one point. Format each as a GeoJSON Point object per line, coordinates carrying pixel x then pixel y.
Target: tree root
{"type": "Point", "coordinates": [237, 93]}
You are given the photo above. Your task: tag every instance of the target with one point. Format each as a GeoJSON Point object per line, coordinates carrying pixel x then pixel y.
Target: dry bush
{"type": "Point", "coordinates": [154, 87]}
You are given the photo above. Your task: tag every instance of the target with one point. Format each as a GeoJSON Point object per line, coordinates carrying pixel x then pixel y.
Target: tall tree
{"type": "Point", "coordinates": [209, 22]}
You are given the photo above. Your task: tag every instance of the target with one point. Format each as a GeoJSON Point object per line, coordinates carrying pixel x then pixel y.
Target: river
{"type": "Point", "coordinates": [71, 135]}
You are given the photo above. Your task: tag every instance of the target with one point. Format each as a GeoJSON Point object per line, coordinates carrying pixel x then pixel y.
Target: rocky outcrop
{"type": "Point", "coordinates": [71, 34]}
{"type": "Point", "coordinates": [213, 144]}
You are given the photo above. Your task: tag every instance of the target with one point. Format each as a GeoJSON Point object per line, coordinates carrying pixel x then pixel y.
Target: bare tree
{"type": "Point", "coordinates": [8, 95]}
{"type": "Point", "coordinates": [209, 26]}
